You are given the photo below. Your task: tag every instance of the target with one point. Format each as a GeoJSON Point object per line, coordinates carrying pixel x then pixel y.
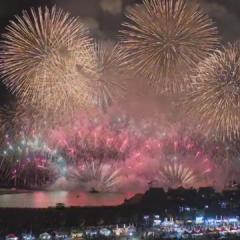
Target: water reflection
{"type": "Point", "coordinates": [50, 199]}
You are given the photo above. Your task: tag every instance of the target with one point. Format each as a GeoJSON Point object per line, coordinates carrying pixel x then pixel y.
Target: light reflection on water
{"type": "Point", "coordinates": [50, 199]}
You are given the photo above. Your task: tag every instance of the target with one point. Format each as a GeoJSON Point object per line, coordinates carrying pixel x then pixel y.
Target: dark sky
{"type": "Point", "coordinates": [104, 16]}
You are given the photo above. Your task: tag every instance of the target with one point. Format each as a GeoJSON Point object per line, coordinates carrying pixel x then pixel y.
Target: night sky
{"type": "Point", "coordinates": [105, 16]}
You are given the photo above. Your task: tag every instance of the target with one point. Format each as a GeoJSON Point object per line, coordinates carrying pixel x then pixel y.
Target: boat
{"type": "Point", "coordinates": [93, 190]}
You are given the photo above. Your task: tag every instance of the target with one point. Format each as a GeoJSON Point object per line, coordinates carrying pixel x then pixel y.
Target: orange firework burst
{"type": "Point", "coordinates": [164, 39]}
{"type": "Point", "coordinates": [40, 51]}
{"type": "Point", "coordinates": [214, 97]}
{"type": "Point", "coordinates": [106, 83]}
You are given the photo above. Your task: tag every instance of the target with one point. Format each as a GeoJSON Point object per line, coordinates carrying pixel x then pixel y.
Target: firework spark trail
{"type": "Point", "coordinates": [6, 168]}
{"type": "Point", "coordinates": [214, 96]}
{"type": "Point", "coordinates": [164, 39]}
{"type": "Point", "coordinates": [40, 53]}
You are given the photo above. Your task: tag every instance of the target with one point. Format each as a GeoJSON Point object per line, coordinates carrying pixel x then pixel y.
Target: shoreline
{"type": "Point", "coordinates": [14, 198]}
{"type": "Point", "coordinates": [5, 191]}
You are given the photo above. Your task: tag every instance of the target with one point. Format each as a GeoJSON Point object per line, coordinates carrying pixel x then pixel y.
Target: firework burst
{"type": "Point", "coordinates": [177, 175]}
{"type": "Point", "coordinates": [164, 40]}
{"type": "Point", "coordinates": [27, 161]}
{"type": "Point", "coordinates": [184, 163]}
{"type": "Point", "coordinates": [112, 81]}
{"type": "Point", "coordinates": [40, 52]}
{"type": "Point", "coordinates": [105, 82]}
{"type": "Point", "coordinates": [96, 176]}
{"type": "Point", "coordinates": [94, 139]}
{"type": "Point", "coordinates": [214, 96]}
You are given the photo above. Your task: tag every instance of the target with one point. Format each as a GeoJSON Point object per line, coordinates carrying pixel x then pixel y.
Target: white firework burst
{"type": "Point", "coordinates": [177, 175]}
{"type": "Point", "coordinates": [96, 176]}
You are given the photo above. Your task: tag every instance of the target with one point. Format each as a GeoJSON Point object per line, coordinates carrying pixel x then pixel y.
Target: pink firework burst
{"type": "Point", "coordinates": [96, 139]}
{"type": "Point", "coordinates": [142, 152]}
